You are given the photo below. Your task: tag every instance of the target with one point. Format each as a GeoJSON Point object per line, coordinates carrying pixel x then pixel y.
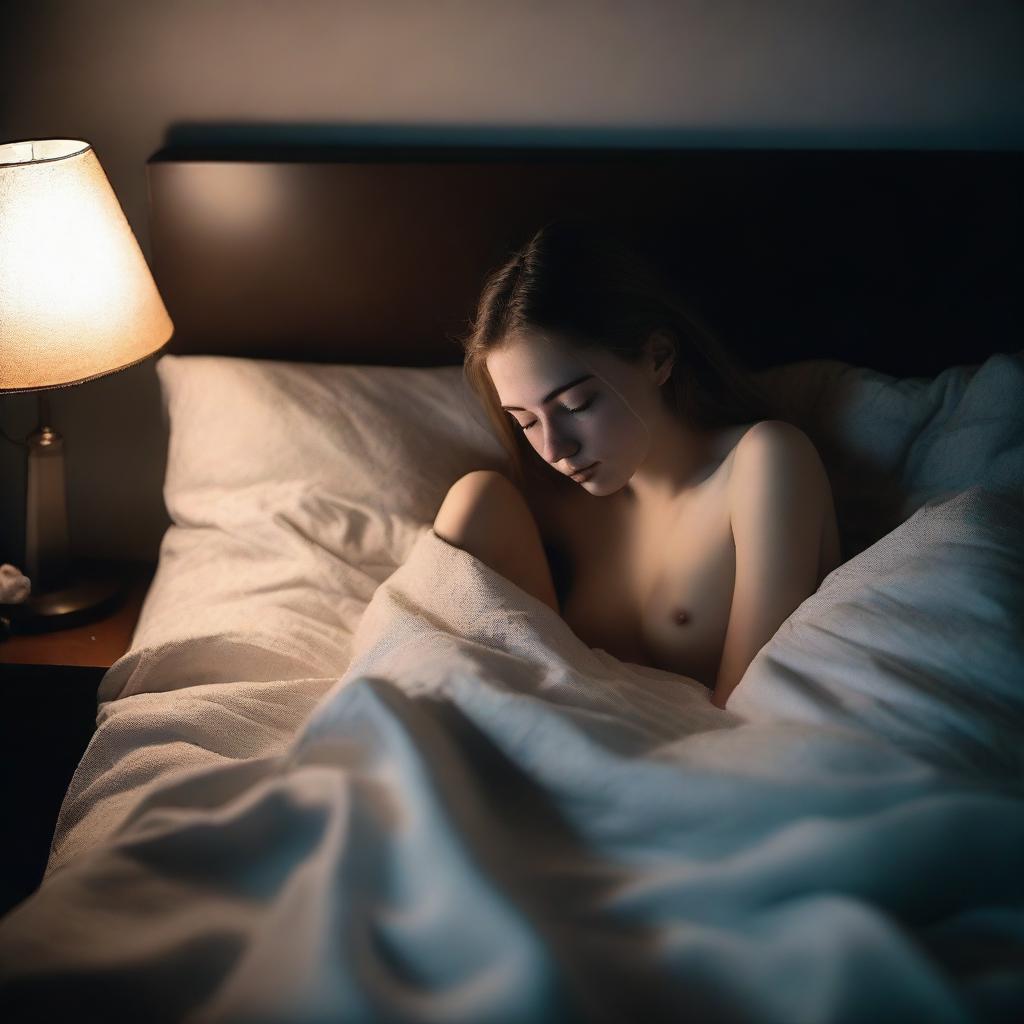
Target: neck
{"type": "Point", "coordinates": [677, 461]}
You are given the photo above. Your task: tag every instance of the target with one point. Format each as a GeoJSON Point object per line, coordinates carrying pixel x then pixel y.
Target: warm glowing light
{"type": "Point", "coordinates": [77, 299]}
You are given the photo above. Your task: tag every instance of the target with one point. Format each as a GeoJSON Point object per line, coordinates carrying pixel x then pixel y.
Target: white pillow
{"type": "Point", "coordinates": [891, 444]}
{"type": "Point", "coordinates": [251, 440]}
{"type": "Point", "coordinates": [918, 640]}
{"type": "Point", "coordinates": [353, 459]}
{"type": "Point", "coordinates": [294, 489]}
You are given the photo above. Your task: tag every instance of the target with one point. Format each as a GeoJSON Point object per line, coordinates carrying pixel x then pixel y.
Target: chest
{"type": "Point", "coordinates": [652, 589]}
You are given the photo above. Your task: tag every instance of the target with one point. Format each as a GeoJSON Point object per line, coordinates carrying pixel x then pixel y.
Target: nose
{"type": "Point", "coordinates": [557, 446]}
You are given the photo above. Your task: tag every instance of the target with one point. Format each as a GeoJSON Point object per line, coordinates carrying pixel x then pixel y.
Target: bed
{"type": "Point", "coordinates": [346, 771]}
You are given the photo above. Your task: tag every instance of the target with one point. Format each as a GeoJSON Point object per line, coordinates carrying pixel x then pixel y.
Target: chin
{"type": "Point", "coordinates": [599, 490]}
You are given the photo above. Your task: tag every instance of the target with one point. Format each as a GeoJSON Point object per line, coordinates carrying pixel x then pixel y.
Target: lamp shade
{"type": "Point", "coordinates": [77, 300]}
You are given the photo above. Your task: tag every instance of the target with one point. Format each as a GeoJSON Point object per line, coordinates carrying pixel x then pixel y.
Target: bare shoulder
{"type": "Point", "coordinates": [774, 453]}
{"type": "Point", "coordinates": [775, 436]}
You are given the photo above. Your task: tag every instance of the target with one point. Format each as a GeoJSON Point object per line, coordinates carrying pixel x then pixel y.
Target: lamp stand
{"type": "Point", "coordinates": [65, 592]}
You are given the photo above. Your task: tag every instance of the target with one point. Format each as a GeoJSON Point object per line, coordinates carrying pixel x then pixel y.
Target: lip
{"type": "Point", "coordinates": [584, 474]}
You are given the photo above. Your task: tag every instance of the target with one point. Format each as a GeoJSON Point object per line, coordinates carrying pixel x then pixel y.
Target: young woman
{"type": "Point", "coordinates": [653, 502]}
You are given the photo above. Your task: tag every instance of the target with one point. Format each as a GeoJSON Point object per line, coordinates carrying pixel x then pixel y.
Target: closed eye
{"type": "Point", "coordinates": [576, 411]}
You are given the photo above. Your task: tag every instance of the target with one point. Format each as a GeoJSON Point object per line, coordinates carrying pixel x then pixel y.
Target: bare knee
{"type": "Point", "coordinates": [485, 514]}
{"type": "Point", "coordinates": [475, 508]}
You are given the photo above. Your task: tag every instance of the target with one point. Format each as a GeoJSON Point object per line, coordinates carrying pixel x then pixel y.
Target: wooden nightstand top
{"type": "Point", "coordinates": [96, 644]}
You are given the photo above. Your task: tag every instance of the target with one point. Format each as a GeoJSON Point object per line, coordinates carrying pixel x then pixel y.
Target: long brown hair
{"type": "Point", "coordinates": [581, 279]}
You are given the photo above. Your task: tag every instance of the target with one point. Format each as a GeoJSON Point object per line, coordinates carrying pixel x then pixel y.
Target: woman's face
{"type": "Point", "coordinates": [589, 422]}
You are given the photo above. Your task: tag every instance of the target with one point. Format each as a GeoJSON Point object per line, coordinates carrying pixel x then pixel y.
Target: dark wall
{"type": "Point", "coordinates": [130, 77]}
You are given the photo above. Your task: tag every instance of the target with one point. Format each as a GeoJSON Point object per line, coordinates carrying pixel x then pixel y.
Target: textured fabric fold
{"type": "Point", "coordinates": [485, 820]}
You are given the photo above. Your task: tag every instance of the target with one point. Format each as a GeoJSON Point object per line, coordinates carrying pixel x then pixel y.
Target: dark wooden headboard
{"type": "Point", "coordinates": [905, 261]}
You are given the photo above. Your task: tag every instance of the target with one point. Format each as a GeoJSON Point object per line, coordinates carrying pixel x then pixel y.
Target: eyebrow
{"type": "Point", "coordinates": [553, 394]}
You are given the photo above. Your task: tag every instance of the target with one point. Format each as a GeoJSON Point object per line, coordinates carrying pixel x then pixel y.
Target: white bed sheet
{"type": "Point", "coordinates": [486, 820]}
{"type": "Point", "coordinates": [296, 490]}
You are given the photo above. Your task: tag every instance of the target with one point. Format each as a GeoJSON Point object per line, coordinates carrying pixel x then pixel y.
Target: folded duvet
{"type": "Point", "coordinates": [483, 819]}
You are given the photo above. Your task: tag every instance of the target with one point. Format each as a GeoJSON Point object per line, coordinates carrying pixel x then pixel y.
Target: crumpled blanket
{"type": "Point", "coordinates": [486, 820]}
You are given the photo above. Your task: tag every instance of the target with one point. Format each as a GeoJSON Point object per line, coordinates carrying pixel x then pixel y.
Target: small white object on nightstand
{"type": "Point", "coordinates": [14, 586]}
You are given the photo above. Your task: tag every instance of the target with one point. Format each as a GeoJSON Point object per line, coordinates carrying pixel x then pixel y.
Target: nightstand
{"type": "Point", "coordinates": [49, 683]}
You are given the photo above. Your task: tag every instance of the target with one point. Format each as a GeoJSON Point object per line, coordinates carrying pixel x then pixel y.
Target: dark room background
{"type": "Point", "coordinates": [125, 75]}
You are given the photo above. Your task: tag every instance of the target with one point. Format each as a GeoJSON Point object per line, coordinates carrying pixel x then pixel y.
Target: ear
{"type": "Point", "coordinates": [661, 355]}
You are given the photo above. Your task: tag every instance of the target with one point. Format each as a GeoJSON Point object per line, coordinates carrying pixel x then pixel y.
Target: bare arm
{"type": "Point", "coordinates": [777, 496]}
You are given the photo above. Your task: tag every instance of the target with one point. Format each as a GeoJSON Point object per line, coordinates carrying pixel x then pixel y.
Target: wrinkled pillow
{"type": "Point", "coordinates": [891, 444]}
{"type": "Point", "coordinates": [293, 489]}
{"type": "Point", "coordinates": [352, 458]}
{"type": "Point", "coordinates": [918, 640]}
{"type": "Point", "coordinates": [250, 437]}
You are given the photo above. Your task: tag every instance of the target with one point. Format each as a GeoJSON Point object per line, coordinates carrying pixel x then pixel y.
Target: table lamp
{"type": "Point", "coordinates": [77, 302]}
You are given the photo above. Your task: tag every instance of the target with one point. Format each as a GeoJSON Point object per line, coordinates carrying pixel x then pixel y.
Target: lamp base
{"type": "Point", "coordinates": [90, 590]}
